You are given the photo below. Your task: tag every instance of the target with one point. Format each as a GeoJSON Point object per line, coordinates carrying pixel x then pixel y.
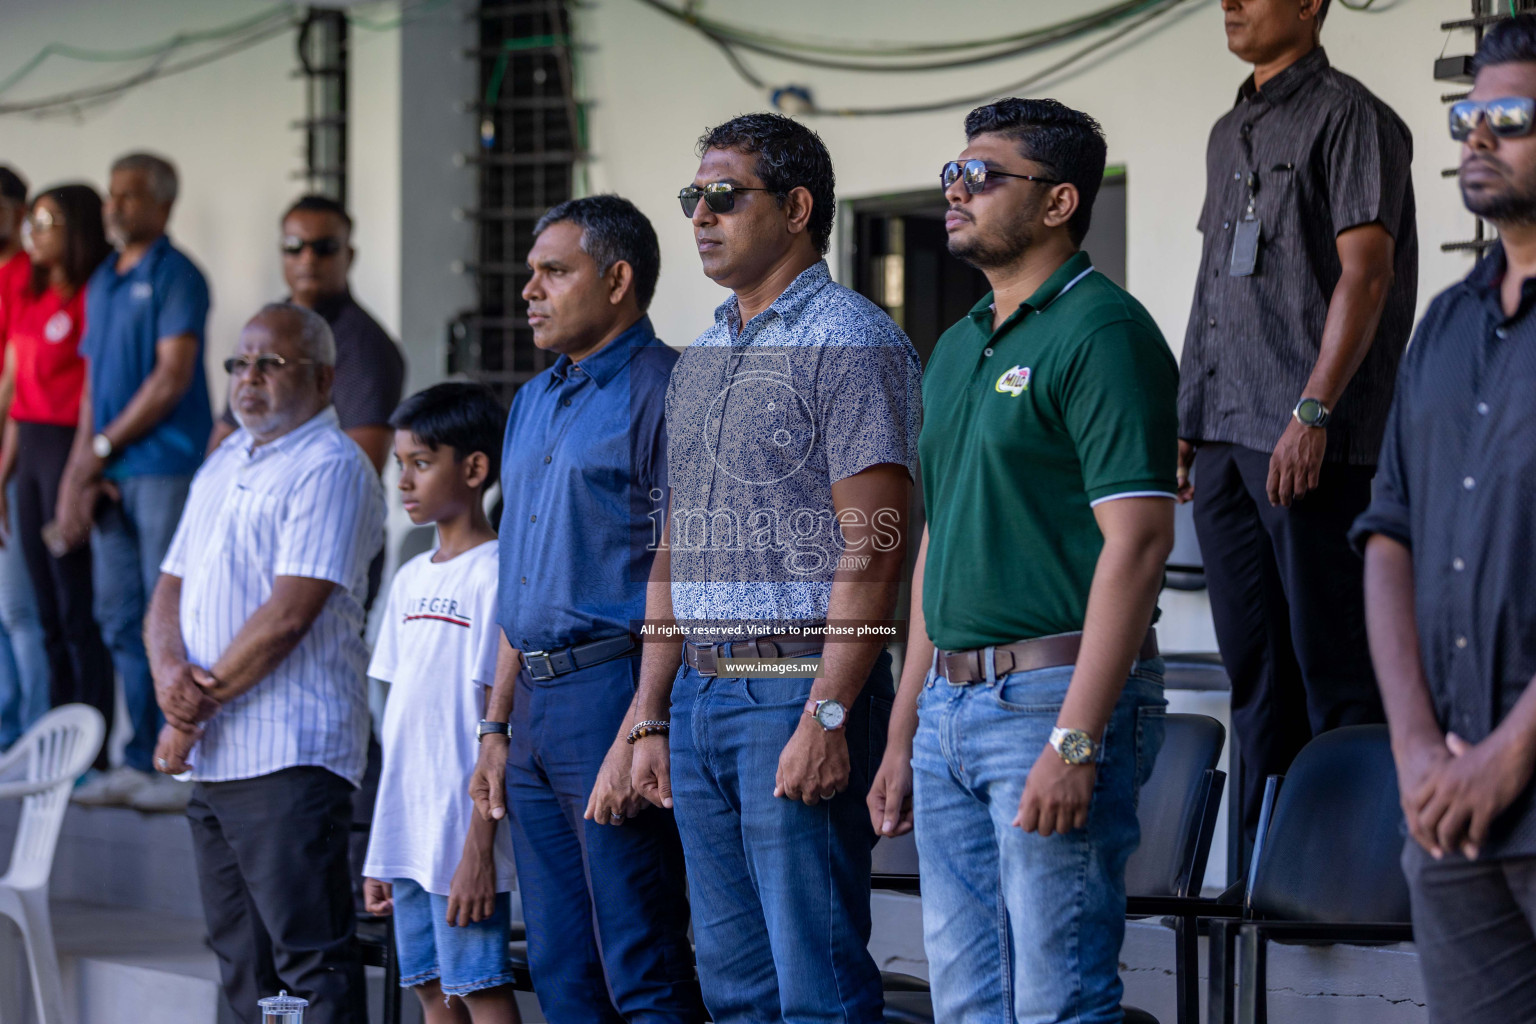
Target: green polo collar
{"type": "Point", "coordinates": [1066, 275]}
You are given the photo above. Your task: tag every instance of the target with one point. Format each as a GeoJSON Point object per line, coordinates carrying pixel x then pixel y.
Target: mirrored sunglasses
{"type": "Point", "coordinates": [976, 172]}
{"type": "Point", "coordinates": [1508, 117]}
{"type": "Point", "coordinates": [719, 196]}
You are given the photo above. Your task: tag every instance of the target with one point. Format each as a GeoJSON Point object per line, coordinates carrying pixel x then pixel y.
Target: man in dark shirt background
{"type": "Point", "coordinates": [1303, 305]}
{"type": "Point", "coordinates": [370, 371]}
{"type": "Point", "coordinates": [1450, 551]}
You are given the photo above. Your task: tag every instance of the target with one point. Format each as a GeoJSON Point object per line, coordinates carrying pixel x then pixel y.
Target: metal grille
{"type": "Point", "coordinates": [322, 50]}
{"type": "Point", "coordinates": [532, 138]}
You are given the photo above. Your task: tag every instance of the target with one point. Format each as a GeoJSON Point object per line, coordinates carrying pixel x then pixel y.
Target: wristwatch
{"type": "Point", "coordinates": [101, 444]}
{"type": "Point", "coordinates": [829, 714]}
{"type": "Point", "coordinates": [1074, 745]}
{"type": "Point", "coordinates": [1311, 412]}
{"type": "Point", "coordinates": [484, 729]}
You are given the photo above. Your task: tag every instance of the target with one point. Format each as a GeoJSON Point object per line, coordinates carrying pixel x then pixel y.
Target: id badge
{"type": "Point", "coordinates": [1245, 246]}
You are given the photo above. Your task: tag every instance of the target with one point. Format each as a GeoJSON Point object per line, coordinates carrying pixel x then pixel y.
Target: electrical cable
{"type": "Point", "coordinates": [262, 26]}
{"type": "Point", "coordinates": [1151, 12]}
{"type": "Point", "coordinates": [1017, 45]}
{"type": "Point", "coordinates": [97, 94]}
{"type": "Point", "coordinates": [1019, 86]}
{"type": "Point", "coordinates": [408, 13]}
{"type": "Point", "coordinates": [736, 33]}
{"type": "Point", "coordinates": [178, 41]}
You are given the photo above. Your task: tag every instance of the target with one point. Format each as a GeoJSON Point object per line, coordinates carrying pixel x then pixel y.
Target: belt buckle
{"type": "Point", "coordinates": [549, 666]}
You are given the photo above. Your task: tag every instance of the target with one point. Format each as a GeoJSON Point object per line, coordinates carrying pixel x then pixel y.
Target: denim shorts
{"type": "Point", "coordinates": [463, 959]}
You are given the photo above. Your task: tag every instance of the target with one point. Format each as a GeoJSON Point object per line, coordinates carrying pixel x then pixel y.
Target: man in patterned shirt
{"type": "Point", "coordinates": [792, 426]}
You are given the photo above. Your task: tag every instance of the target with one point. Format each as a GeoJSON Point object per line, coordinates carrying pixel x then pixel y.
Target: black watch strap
{"type": "Point", "coordinates": [484, 729]}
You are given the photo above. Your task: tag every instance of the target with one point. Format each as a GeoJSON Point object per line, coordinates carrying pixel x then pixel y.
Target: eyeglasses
{"type": "Point", "coordinates": [293, 245]}
{"type": "Point", "coordinates": [1508, 118]}
{"type": "Point", "coordinates": [976, 172]}
{"type": "Point", "coordinates": [42, 220]}
{"type": "Point", "coordinates": [240, 365]}
{"type": "Point", "coordinates": [719, 196]}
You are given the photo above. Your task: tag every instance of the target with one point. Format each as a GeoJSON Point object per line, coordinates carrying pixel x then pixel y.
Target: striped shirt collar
{"type": "Point", "coordinates": [319, 421]}
{"type": "Point", "coordinates": [1279, 88]}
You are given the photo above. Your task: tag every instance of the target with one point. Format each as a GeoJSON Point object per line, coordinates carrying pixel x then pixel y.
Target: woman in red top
{"type": "Point", "coordinates": [67, 244]}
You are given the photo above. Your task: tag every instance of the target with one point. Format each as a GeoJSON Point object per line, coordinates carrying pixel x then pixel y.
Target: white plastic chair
{"type": "Point", "coordinates": [40, 770]}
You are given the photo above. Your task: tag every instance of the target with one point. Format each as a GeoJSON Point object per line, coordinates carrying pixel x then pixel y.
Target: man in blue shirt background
{"type": "Point", "coordinates": [143, 420]}
{"type": "Point", "coordinates": [583, 473]}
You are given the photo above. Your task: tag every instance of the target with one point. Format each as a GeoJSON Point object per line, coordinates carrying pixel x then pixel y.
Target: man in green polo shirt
{"type": "Point", "coordinates": [1048, 454]}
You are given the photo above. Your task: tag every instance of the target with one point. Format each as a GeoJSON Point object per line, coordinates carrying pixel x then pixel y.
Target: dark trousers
{"type": "Point", "coordinates": [78, 659]}
{"type": "Point", "coordinates": [1474, 928]}
{"type": "Point", "coordinates": [272, 866]}
{"type": "Point", "coordinates": [1288, 602]}
{"type": "Point", "coordinates": [606, 906]}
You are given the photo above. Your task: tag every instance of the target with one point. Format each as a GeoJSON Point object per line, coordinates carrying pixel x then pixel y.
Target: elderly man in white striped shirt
{"type": "Point", "coordinates": [254, 638]}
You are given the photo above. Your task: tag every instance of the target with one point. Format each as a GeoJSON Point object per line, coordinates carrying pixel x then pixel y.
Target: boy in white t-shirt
{"type": "Point", "coordinates": [436, 865]}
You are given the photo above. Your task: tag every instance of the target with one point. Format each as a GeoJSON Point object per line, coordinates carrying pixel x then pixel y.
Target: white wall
{"type": "Point", "coordinates": [227, 128]}
{"type": "Point", "coordinates": [659, 85]}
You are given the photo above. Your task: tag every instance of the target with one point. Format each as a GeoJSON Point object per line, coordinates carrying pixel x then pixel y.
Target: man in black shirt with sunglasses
{"type": "Point", "coordinates": [1448, 544]}
{"type": "Point", "coordinates": [370, 371]}
{"type": "Point", "coordinates": [1303, 303]}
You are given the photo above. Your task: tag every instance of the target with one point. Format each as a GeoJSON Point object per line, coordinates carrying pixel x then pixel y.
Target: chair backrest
{"type": "Point", "coordinates": [894, 864]}
{"type": "Point", "coordinates": [1177, 809]}
{"type": "Point", "coordinates": [1335, 835]}
{"type": "Point", "coordinates": [52, 754]}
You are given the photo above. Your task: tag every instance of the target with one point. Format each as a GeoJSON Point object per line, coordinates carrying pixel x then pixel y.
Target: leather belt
{"type": "Point", "coordinates": [705, 657]}
{"type": "Point", "coordinates": [543, 666]}
{"type": "Point", "coordinates": [1053, 651]}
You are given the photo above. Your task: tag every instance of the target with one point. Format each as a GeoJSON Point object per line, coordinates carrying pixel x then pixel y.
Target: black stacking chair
{"type": "Point", "coordinates": [1325, 866]}
{"type": "Point", "coordinates": [376, 941]}
{"type": "Point", "coordinates": [522, 980]}
{"type": "Point", "coordinates": [1177, 810]}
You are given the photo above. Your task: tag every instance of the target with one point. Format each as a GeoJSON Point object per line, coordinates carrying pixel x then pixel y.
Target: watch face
{"type": "Point", "coordinates": [831, 714]}
{"type": "Point", "coordinates": [1309, 411]}
{"type": "Point", "coordinates": [1075, 747]}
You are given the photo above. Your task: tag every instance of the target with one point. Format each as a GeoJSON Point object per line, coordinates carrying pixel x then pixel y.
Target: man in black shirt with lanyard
{"type": "Point", "coordinates": [1450, 549]}
{"type": "Point", "coordinates": [1302, 308]}
{"type": "Point", "coordinates": [370, 371]}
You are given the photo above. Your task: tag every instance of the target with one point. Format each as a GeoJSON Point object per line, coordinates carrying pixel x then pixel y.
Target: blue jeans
{"type": "Point", "coordinates": [1024, 928]}
{"type": "Point", "coordinates": [606, 906]}
{"type": "Point", "coordinates": [463, 959]}
{"type": "Point", "coordinates": [23, 655]}
{"type": "Point", "coordinates": [780, 890]}
{"type": "Point", "coordinates": [127, 546]}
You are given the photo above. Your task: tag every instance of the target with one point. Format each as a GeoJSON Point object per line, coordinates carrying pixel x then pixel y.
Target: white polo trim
{"type": "Point", "coordinates": [1132, 494]}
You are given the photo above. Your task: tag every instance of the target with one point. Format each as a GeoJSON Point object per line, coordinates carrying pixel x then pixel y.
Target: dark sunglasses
{"type": "Point", "coordinates": [976, 172]}
{"type": "Point", "coordinates": [322, 247]}
{"type": "Point", "coordinates": [1508, 117]}
{"type": "Point", "coordinates": [719, 196]}
{"type": "Point", "coordinates": [265, 364]}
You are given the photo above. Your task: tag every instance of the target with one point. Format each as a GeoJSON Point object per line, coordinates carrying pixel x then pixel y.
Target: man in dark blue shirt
{"type": "Point", "coordinates": [1449, 541]}
{"type": "Point", "coordinates": [143, 420]}
{"type": "Point", "coordinates": [583, 475]}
